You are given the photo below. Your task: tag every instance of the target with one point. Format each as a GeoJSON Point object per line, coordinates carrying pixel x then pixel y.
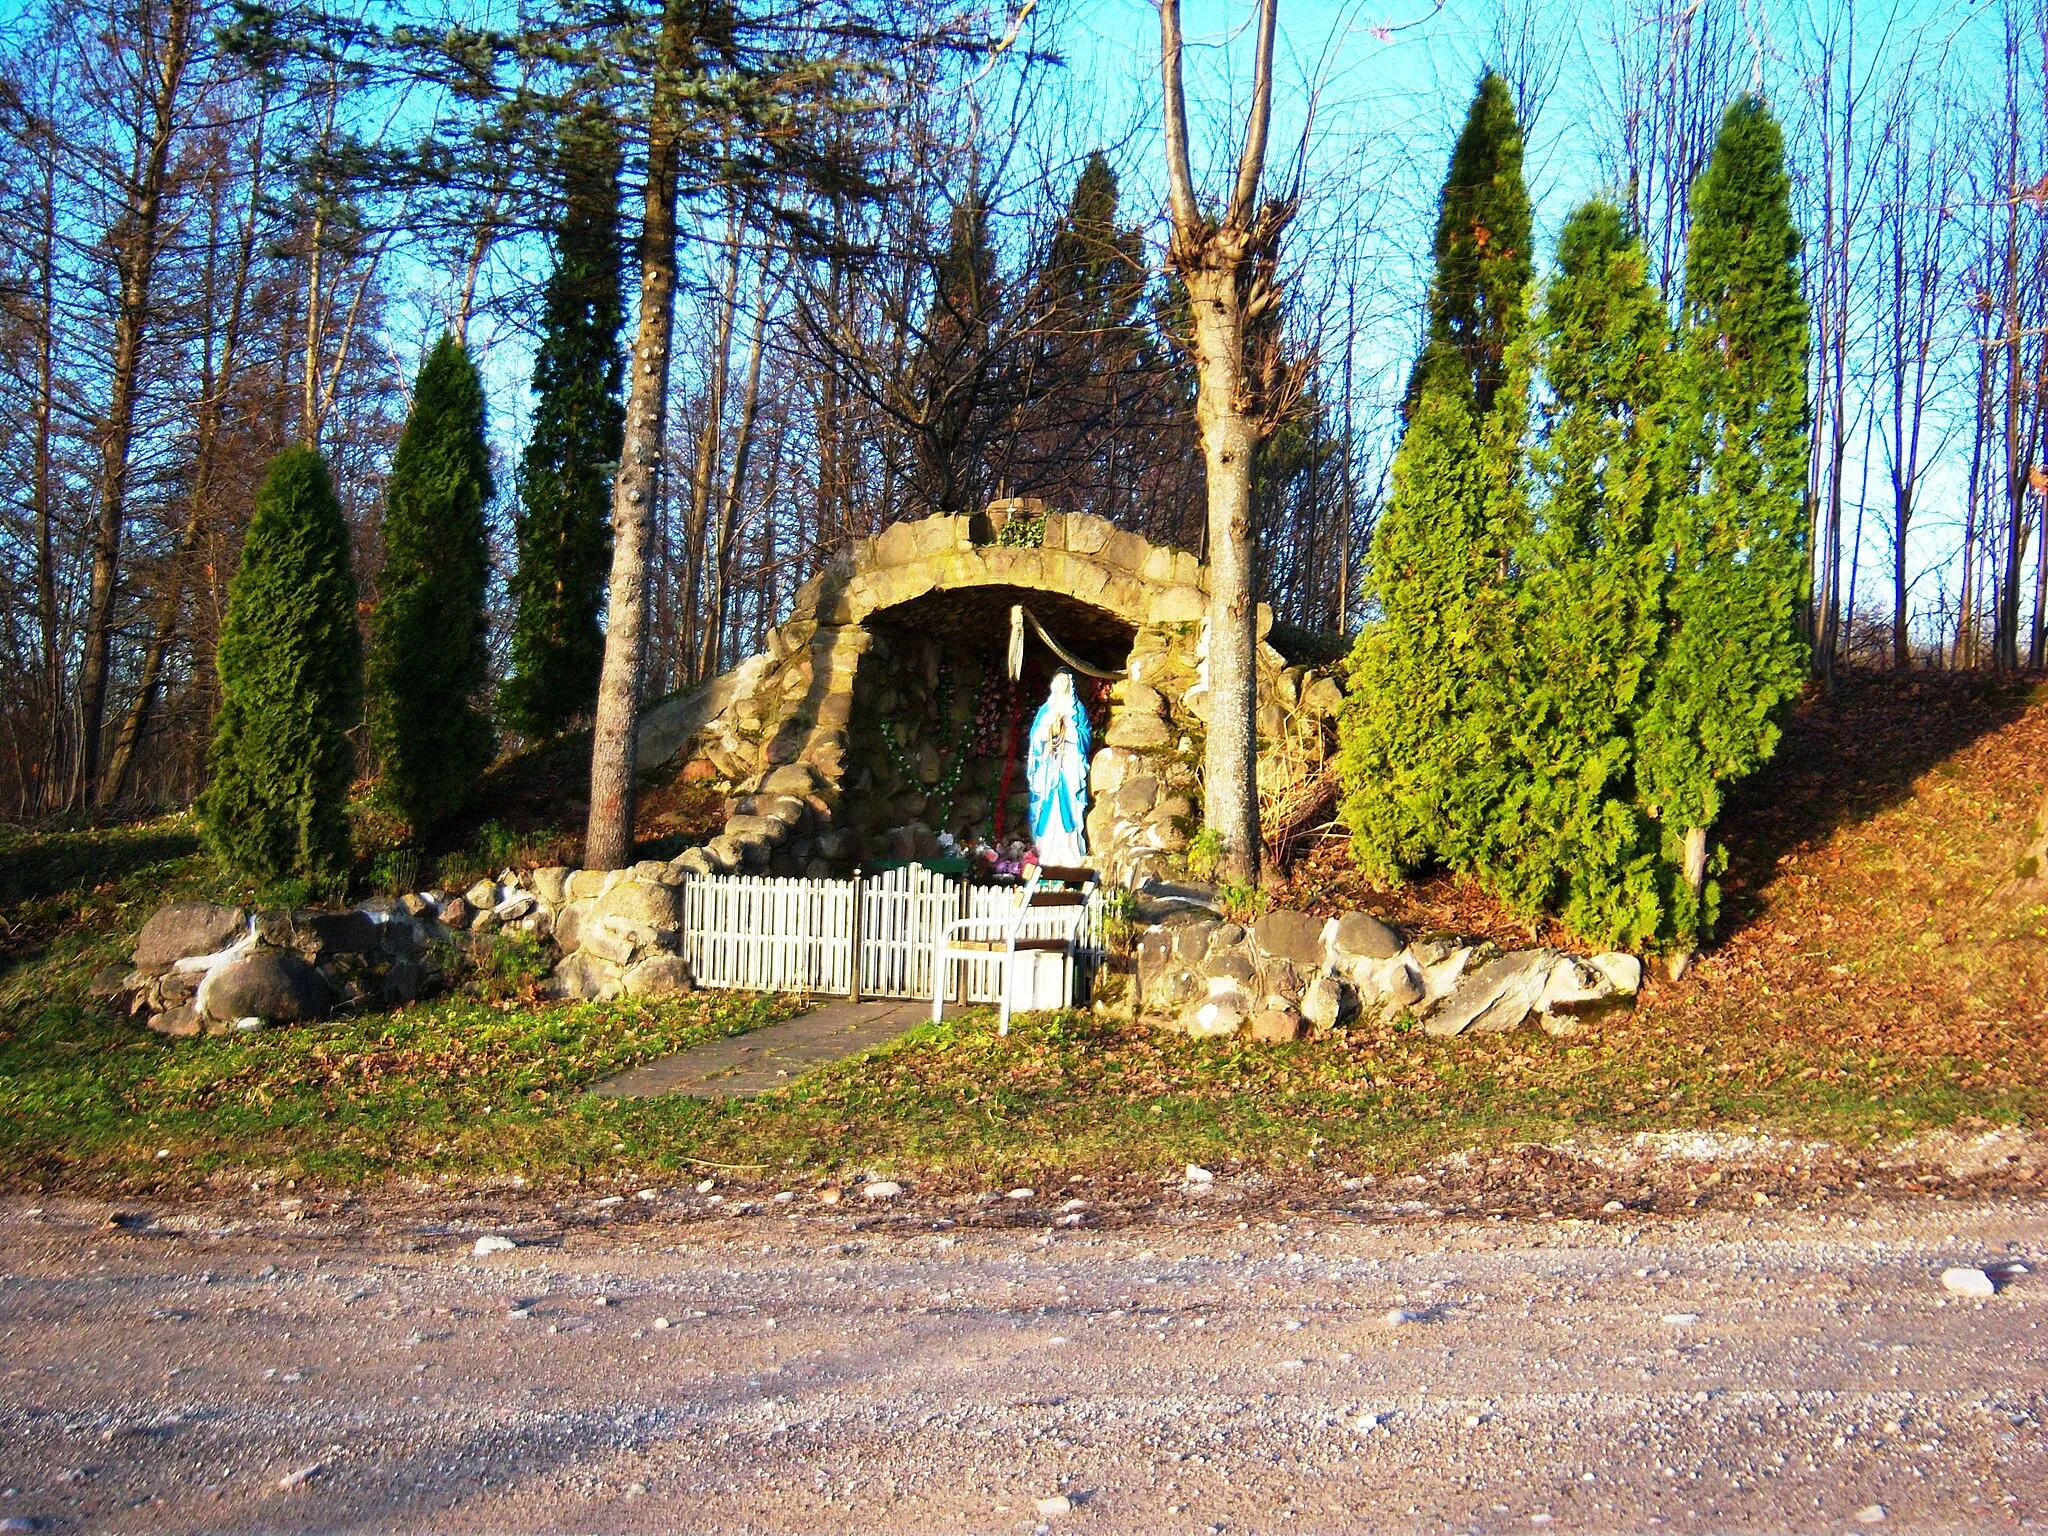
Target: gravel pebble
{"type": "Point", "coordinates": [1961, 1280]}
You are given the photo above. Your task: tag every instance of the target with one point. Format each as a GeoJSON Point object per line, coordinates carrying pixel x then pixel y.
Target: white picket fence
{"type": "Point", "coordinates": [762, 934]}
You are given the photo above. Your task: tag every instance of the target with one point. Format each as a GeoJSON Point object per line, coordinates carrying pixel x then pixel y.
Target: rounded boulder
{"type": "Point", "coordinates": [187, 928]}
{"type": "Point", "coordinates": [270, 984]}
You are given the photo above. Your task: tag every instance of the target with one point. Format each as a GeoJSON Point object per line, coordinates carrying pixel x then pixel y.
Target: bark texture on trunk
{"type": "Point", "coordinates": [716, 598]}
{"type": "Point", "coordinates": [219, 381]}
{"type": "Point", "coordinates": [1230, 440]}
{"type": "Point", "coordinates": [137, 243]}
{"type": "Point", "coordinates": [608, 835]}
{"type": "Point", "coordinates": [1243, 387]}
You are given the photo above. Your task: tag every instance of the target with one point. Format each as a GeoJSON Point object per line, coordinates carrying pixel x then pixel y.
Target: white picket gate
{"type": "Point", "coordinates": [765, 934]}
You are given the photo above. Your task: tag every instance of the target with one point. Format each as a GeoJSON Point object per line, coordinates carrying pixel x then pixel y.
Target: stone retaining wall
{"type": "Point", "coordinates": [1289, 974]}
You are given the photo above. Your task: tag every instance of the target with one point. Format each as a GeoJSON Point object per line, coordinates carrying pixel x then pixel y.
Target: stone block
{"type": "Point", "coordinates": [1158, 565]}
{"type": "Point", "coordinates": [1088, 535]}
{"type": "Point", "coordinates": [1579, 990]}
{"type": "Point", "coordinates": [1290, 936]}
{"type": "Point", "coordinates": [187, 928]}
{"type": "Point", "coordinates": [1497, 997]}
{"type": "Point", "coordinates": [1327, 1003]}
{"type": "Point", "coordinates": [1139, 698]}
{"type": "Point", "coordinates": [797, 779]}
{"type": "Point", "coordinates": [1360, 936]}
{"type": "Point", "coordinates": [1232, 965]}
{"type": "Point", "coordinates": [895, 545]}
{"type": "Point", "coordinates": [1275, 1026]}
{"type": "Point", "coordinates": [551, 884]}
{"type": "Point", "coordinates": [1179, 605]}
{"type": "Point", "coordinates": [1219, 1016]}
{"type": "Point", "coordinates": [335, 933]}
{"type": "Point", "coordinates": [1138, 733]}
{"type": "Point", "coordinates": [569, 923]}
{"type": "Point", "coordinates": [657, 976]}
{"type": "Point", "coordinates": [943, 531]}
{"type": "Point", "coordinates": [1178, 944]}
{"type": "Point", "coordinates": [271, 984]}
{"type": "Point", "coordinates": [587, 884]}
{"type": "Point", "coordinates": [1322, 698]}
{"type": "Point", "coordinates": [1136, 796]}
{"type": "Point", "coordinates": [403, 979]}
{"type": "Point", "coordinates": [583, 977]}
{"type": "Point", "coordinates": [765, 828]}
{"type": "Point", "coordinates": [181, 1023]}
{"type": "Point", "coordinates": [601, 940]}
{"type": "Point", "coordinates": [642, 901]}
{"type": "Point", "coordinates": [1124, 551]}
{"type": "Point", "coordinates": [693, 861]}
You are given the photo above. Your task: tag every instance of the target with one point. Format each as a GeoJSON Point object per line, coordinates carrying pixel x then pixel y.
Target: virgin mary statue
{"type": "Point", "coordinates": [1057, 771]}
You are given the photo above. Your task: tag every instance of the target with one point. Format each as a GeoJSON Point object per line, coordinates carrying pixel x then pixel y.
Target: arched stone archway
{"type": "Point", "coordinates": [780, 730]}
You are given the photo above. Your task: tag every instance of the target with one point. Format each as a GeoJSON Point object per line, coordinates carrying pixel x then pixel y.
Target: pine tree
{"type": "Point", "coordinates": [1734, 531]}
{"type": "Point", "coordinates": [1569, 835]}
{"type": "Point", "coordinates": [291, 682]}
{"type": "Point", "coordinates": [427, 669]}
{"type": "Point", "coordinates": [563, 537]}
{"type": "Point", "coordinates": [1482, 253]}
{"type": "Point", "coordinates": [1424, 750]}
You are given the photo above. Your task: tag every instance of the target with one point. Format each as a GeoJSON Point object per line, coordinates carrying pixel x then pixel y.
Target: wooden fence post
{"type": "Point", "coordinates": [854, 944]}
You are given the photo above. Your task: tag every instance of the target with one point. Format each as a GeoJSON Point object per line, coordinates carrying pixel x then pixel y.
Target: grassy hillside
{"type": "Point", "coordinates": [1866, 986]}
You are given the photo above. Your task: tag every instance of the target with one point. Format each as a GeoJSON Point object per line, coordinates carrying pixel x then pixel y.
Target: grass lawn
{"type": "Point", "coordinates": [1866, 990]}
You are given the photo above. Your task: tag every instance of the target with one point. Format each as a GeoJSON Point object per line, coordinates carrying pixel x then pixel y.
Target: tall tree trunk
{"type": "Point", "coordinates": [135, 242]}
{"type": "Point", "coordinates": [719, 574]}
{"type": "Point", "coordinates": [608, 835]}
{"type": "Point", "coordinates": [693, 618]}
{"type": "Point", "coordinates": [2008, 624]}
{"type": "Point", "coordinates": [1227, 267]}
{"type": "Point", "coordinates": [50, 763]}
{"type": "Point", "coordinates": [217, 385]}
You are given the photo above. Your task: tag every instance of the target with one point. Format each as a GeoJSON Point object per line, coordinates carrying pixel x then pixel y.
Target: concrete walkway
{"type": "Point", "coordinates": [743, 1065]}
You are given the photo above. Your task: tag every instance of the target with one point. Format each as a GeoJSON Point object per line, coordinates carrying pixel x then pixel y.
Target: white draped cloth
{"type": "Point", "coordinates": [1057, 772]}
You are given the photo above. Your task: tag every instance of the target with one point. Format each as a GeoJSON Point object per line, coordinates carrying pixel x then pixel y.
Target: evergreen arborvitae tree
{"type": "Point", "coordinates": [563, 534]}
{"type": "Point", "coordinates": [1482, 253]}
{"type": "Point", "coordinates": [291, 683]}
{"type": "Point", "coordinates": [1409, 731]}
{"type": "Point", "coordinates": [1734, 527]}
{"type": "Point", "coordinates": [427, 667]}
{"type": "Point", "coordinates": [1096, 269]}
{"type": "Point", "coordinates": [1424, 756]}
{"type": "Point", "coordinates": [1569, 835]}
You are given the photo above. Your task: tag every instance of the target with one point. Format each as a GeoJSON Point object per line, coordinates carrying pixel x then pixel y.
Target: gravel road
{"type": "Point", "coordinates": [797, 1367]}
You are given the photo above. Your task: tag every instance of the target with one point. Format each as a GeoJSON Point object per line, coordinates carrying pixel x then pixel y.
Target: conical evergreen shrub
{"type": "Point", "coordinates": [563, 534]}
{"type": "Point", "coordinates": [1569, 836]}
{"type": "Point", "coordinates": [1734, 527]}
{"type": "Point", "coordinates": [428, 663]}
{"type": "Point", "coordinates": [1424, 756]}
{"type": "Point", "coordinates": [1413, 735]}
{"type": "Point", "coordinates": [291, 683]}
{"type": "Point", "coordinates": [1484, 236]}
